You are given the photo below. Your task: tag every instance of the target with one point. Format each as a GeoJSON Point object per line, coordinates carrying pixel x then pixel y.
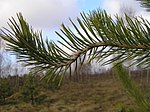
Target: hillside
{"type": "Point", "coordinates": [98, 93]}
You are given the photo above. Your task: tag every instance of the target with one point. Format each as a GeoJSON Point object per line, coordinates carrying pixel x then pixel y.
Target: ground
{"type": "Point", "coordinates": [95, 94]}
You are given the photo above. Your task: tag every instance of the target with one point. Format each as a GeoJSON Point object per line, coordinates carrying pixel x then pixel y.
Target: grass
{"type": "Point", "coordinates": [97, 94]}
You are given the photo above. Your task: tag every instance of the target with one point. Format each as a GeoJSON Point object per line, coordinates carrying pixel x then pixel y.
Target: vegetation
{"type": "Point", "coordinates": [30, 89]}
{"type": "Point", "coordinates": [132, 89]}
{"type": "Point", "coordinates": [100, 93]}
{"type": "Point", "coordinates": [99, 37]}
{"type": "Point", "coordinates": [145, 4]}
{"type": "Point", "coordinates": [5, 90]}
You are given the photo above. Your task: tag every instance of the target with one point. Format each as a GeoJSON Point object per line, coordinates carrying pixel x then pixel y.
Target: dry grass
{"type": "Point", "coordinates": [99, 94]}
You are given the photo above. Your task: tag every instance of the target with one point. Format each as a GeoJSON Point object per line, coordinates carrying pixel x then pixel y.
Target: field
{"type": "Point", "coordinates": [96, 94]}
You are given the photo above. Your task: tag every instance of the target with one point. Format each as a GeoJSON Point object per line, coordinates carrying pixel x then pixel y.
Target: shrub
{"type": "Point", "coordinates": [30, 89]}
{"type": "Point", "coordinates": [5, 90]}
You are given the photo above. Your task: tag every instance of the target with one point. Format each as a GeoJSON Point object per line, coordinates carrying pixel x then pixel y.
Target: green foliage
{"type": "Point", "coordinates": [40, 98]}
{"type": "Point", "coordinates": [99, 37]}
{"type": "Point", "coordinates": [5, 90]}
{"type": "Point", "coordinates": [52, 83]}
{"type": "Point", "coordinates": [30, 89]}
{"type": "Point", "coordinates": [132, 88]}
{"type": "Point", "coordinates": [98, 94]}
{"type": "Point", "coordinates": [31, 48]}
{"type": "Point", "coordinates": [123, 108]}
{"type": "Point", "coordinates": [145, 4]}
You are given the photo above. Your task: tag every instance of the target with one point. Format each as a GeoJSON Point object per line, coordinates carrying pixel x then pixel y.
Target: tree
{"type": "Point", "coordinates": [5, 90]}
{"type": "Point", "coordinates": [30, 89]}
{"type": "Point", "coordinates": [103, 37]}
{"type": "Point", "coordinates": [5, 61]}
{"type": "Point", "coordinates": [1, 56]}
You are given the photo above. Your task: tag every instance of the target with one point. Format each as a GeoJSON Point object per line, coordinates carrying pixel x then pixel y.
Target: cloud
{"type": "Point", "coordinates": [115, 6]}
{"type": "Point", "coordinates": [39, 13]}
{"type": "Point", "coordinates": [111, 6]}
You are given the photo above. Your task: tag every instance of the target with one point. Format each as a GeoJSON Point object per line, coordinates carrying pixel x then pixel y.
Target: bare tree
{"type": "Point", "coordinates": [1, 55]}
{"type": "Point", "coordinates": [130, 12]}
{"type": "Point", "coordinates": [5, 61]}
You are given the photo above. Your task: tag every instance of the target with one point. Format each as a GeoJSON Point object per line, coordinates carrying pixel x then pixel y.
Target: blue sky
{"type": "Point", "coordinates": [86, 5]}
{"type": "Point", "coordinates": [48, 15]}
{"type": "Point", "coordinates": [111, 6]}
{"type": "Point", "coordinates": [45, 15]}
{"type": "Point", "coordinates": [83, 5]}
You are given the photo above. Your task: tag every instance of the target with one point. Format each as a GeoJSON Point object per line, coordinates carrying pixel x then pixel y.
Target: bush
{"type": "Point", "coordinates": [52, 84]}
{"type": "Point", "coordinates": [30, 89]}
{"type": "Point", "coordinates": [5, 90]}
{"type": "Point", "coordinates": [40, 99]}
{"type": "Point", "coordinates": [123, 108]}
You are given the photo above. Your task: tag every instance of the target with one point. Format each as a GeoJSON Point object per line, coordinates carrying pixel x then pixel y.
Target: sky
{"type": "Point", "coordinates": [48, 15]}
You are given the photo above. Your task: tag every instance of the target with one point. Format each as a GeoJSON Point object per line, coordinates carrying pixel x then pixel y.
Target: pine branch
{"type": "Point", "coordinates": [101, 31]}
{"type": "Point", "coordinates": [131, 88]}
{"type": "Point", "coordinates": [145, 4]}
{"type": "Point", "coordinates": [99, 36]}
{"type": "Point", "coordinates": [30, 47]}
